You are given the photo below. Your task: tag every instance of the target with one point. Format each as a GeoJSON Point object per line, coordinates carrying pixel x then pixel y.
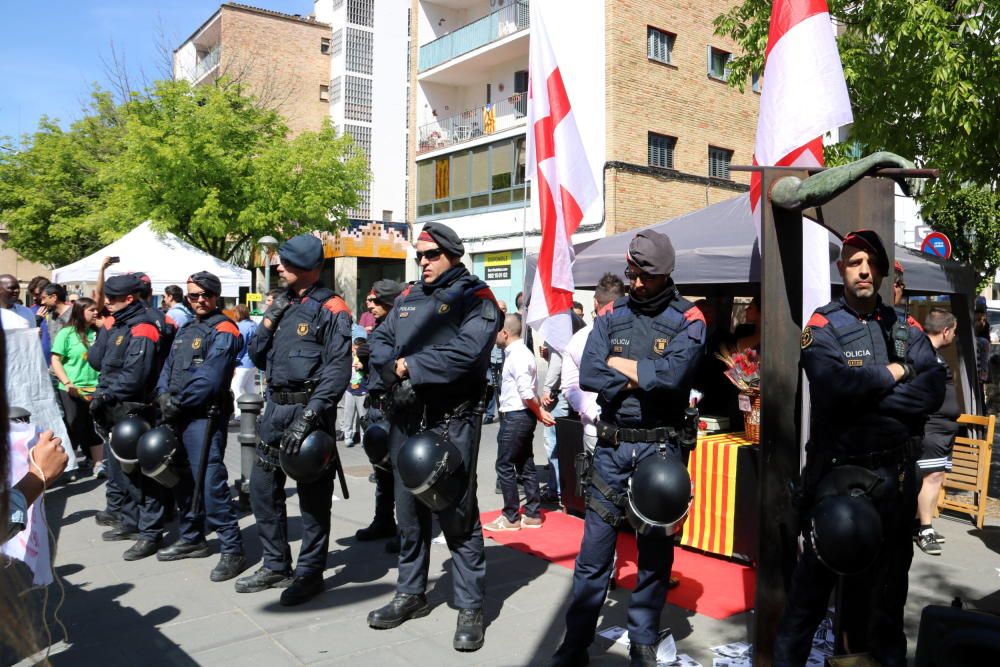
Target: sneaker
{"type": "Point", "coordinates": [501, 525]}
{"type": "Point", "coordinates": [531, 521]}
{"type": "Point", "coordinates": [938, 537]}
{"type": "Point", "coordinates": [928, 544]}
{"type": "Point", "coordinates": [99, 471]}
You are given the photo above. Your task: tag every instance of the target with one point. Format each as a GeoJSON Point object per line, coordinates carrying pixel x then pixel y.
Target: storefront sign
{"type": "Point", "coordinates": [254, 297]}
{"type": "Point", "coordinates": [497, 268]}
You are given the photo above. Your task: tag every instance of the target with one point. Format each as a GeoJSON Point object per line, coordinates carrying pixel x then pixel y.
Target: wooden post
{"type": "Point", "coordinates": [866, 205]}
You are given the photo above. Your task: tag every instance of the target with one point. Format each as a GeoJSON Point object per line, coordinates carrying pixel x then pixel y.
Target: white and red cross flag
{"type": "Point", "coordinates": [561, 181]}
{"type": "Point", "coordinates": [804, 92]}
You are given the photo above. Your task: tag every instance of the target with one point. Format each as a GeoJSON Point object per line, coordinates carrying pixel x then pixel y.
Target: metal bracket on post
{"type": "Point", "coordinates": [250, 406]}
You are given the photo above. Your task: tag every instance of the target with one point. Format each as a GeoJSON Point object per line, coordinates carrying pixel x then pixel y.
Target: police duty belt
{"type": "Point", "coordinates": [874, 460]}
{"type": "Point", "coordinates": [290, 396]}
{"type": "Point", "coordinates": [610, 435]}
{"type": "Point", "coordinates": [268, 457]}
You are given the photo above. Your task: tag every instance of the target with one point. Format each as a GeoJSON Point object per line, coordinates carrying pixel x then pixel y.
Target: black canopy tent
{"type": "Point", "coordinates": [717, 251]}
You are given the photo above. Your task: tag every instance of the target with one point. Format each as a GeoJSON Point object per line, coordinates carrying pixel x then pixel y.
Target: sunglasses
{"type": "Point", "coordinates": [431, 254]}
{"type": "Point", "coordinates": [632, 274]}
{"type": "Point", "coordinates": [199, 296]}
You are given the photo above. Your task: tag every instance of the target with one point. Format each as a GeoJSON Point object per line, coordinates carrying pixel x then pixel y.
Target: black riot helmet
{"type": "Point", "coordinates": [431, 467]}
{"type": "Point", "coordinates": [659, 495]}
{"type": "Point", "coordinates": [846, 533]}
{"type": "Point", "coordinates": [124, 440]}
{"type": "Point", "coordinates": [157, 454]}
{"type": "Point", "coordinates": [312, 458]}
{"type": "Point", "coordinates": [376, 444]}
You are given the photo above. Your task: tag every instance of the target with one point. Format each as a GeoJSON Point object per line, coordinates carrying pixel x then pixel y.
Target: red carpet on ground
{"type": "Point", "coordinates": [711, 586]}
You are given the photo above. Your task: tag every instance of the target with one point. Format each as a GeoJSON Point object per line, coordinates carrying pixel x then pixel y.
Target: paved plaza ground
{"type": "Point", "coordinates": [153, 613]}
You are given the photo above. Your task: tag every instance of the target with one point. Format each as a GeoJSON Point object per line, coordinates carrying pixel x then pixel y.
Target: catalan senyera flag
{"type": "Point", "coordinates": [562, 182]}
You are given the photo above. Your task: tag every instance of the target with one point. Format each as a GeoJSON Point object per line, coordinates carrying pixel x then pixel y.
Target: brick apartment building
{"type": "Point", "coordinates": [282, 59]}
{"type": "Point", "coordinates": [647, 81]}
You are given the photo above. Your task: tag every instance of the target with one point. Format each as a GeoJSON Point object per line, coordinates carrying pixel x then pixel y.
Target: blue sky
{"type": "Point", "coordinates": [51, 52]}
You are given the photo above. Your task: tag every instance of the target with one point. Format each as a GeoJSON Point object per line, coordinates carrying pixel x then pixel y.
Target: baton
{"type": "Point", "coordinates": [339, 469]}
{"type": "Point", "coordinates": [199, 482]}
{"type": "Point", "coordinates": [477, 428]}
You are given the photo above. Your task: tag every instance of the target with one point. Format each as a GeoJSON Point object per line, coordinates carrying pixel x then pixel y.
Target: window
{"type": "Point", "coordinates": [357, 98]}
{"type": "Point", "coordinates": [718, 63]}
{"type": "Point", "coordinates": [338, 42]}
{"type": "Point", "coordinates": [358, 56]}
{"type": "Point", "coordinates": [660, 150]}
{"type": "Point", "coordinates": [475, 178]}
{"type": "Point", "coordinates": [324, 93]}
{"type": "Point", "coordinates": [755, 82]}
{"type": "Point", "coordinates": [335, 87]}
{"type": "Point", "coordinates": [324, 45]}
{"type": "Point", "coordinates": [659, 45]}
{"type": "Point", "coordinates": [718, 162]}
{"type": "Point", "coordinates": [362, 137]}
{"type": "Point", "coordinates": [361, 12]}
{"type": "Point", "coordinates": [386, 215]}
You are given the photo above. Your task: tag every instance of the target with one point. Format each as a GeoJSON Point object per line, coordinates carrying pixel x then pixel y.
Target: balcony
{"type": "Point", "coordinates": [493, 27]}
{"type": "Point", "coordinates": [473, 124]}
{"type": "Point", "coordinates": [206, 63]}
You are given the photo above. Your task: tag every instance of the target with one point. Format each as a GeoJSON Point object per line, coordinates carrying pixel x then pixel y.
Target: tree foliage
{"type": "Point", "coordinates": [206, 163]}
{"type": "Point", "coordinates": [51, 189]}
{"type": "Point", "coordinates": [971, 219]}
{"type": "Point", "coordinates": [924, 81]}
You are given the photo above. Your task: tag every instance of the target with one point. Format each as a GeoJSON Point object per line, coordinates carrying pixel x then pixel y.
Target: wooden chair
{"type": "Point", "coordinates": [970, 468]}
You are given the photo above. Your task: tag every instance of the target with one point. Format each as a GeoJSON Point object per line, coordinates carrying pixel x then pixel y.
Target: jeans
{"type": "Point", "coordinates": [354, 409]}
{"type": "Point", "coordinates": [561, 409]}
{"type": "Point", "coordinates": [515, 456]}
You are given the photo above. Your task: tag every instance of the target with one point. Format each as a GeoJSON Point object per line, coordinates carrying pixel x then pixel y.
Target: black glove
{"type": "Point", "coordinates": [303, 425]}
{"type": "Point", "coordinates": [98, 404]}
{"type": "Point", "coordinates": [277, 308]}
{"type": "Point", "coordinates": [169, 409]}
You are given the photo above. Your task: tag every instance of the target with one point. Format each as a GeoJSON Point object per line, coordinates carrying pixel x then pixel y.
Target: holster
{"type": "Point", "coordinates": [267, 456]}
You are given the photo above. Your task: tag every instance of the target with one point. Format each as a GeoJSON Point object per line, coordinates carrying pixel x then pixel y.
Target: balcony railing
{"type": "Point", "coordinates": [474, 123]}
{"type": "Point", "coordinates": [495, 25]}
{"type": "Point", "coordinates": [206, 64]}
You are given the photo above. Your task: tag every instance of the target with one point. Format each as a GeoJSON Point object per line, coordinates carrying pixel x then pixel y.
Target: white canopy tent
{"type": "Point", "coordinates": [164, 257]}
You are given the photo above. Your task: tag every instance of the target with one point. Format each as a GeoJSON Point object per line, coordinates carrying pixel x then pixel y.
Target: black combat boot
{"type": "Point", "coordinates": [181, 549]}
{"type": "Point", "coordinates": [120, 533]}
{"type": "Point", "coordinates": [377, 530]}
{"type": "Point", "coordinates": [570, 657]}
{"type": "Point", "coordinates": [302, 590]}
{"type": "Point", "coordinates": [141, 549]}
{"type": "Point", "coordinates": [469, 634]}
{"type": "Point", "coordinates": [263, 579]}
{"type": "Point", "coordinates": [402, 608]}
{"type": "Point", "coordinates": [105, 518]}
{"type": "Point", "coordinates": [229, 566]}
{"type": "Point", "coordinates": [642, 655]}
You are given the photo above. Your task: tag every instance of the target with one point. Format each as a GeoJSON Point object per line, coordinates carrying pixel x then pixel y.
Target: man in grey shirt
{"type": "Point", "coordinates": [553, 401]}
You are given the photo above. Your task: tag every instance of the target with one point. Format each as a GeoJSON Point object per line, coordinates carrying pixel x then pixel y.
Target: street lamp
{"type": "Point", "coordinates": [267, 244]}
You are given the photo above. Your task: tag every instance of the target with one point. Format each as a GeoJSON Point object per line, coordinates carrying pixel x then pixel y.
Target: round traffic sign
{"type": "Point", "coordinates": [937, 245]}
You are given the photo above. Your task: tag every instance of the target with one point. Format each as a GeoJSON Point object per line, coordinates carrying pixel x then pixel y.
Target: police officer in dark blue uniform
{"type": "Point", "coordinates": [380, 300]}
{"type": "Point", "coordinates": [128, 363]}
{"type": "Point", "coordinates": [438, 337]}
{"type": "Point", "coordinates": [304, 347]}
{"type": "Point", "coordinates": [640, 359]}
{"type": "Point", "coordinates": [873, 379]}
{"type": "Point", "coordinates": [193, 396]}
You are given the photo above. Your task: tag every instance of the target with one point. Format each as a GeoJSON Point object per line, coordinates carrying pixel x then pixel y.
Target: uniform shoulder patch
{"type": "Point", "coordinates": [817, 320]}
{"type": "Point", "coordinates": [913, 322]}
{"type": "Point", "coordinates": [807, 337]}
{"type": "Point", "coordinates": [694, 314]}
{"type": "Point", "coordinates": [228, 327]}
{"type": "Point", "coordinates": [146, 330]}
{"type": "Point", "coordinates": [169, 320]}
{"type": "Point", "coordinates": [336, 305]}
{"type": "Point", "coordinates": [109, 321]}
{"type": "Point", "coordinates": [406, 292]}
{"type": "Point", "coordinates": [485, 293]}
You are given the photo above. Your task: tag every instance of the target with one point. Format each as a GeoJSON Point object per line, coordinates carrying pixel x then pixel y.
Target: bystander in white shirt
{"type": "Point", "coordinates": [583, 402]}
{"type": "Point", "coordinates": [518, 378]}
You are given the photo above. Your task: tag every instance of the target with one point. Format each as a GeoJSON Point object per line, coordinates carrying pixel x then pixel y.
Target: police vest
{"type": "Point", "coordinates": [639, 337]}
{"type": "Point", "coordinates": [297, 345]}
{"type": "Point", "coordinates": [863, 342]}
{"type": "Point", "coordinates": [192, 345]}
{"type": "Point", "coordinates": [115, 354]}
{"type": "Point", "coordinates": [427, 318]}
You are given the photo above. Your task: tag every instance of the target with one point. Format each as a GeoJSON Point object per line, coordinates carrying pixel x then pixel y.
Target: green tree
{"type": "Point", "coordinates": [209, 165]}
{"type": "Point", "coordinates": [971, 219]}
{"type": "Point", "coordinates": [924, 80]}
{"type": "Point", "coordinates": [51, 189]}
